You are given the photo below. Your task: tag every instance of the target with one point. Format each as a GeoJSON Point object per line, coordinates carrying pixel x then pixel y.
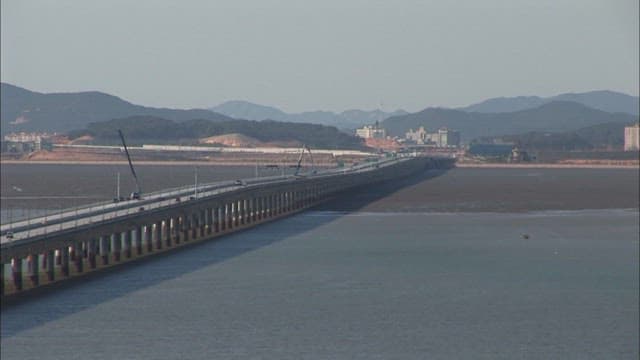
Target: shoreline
{"type": "Point", "coordinates": [150, 162]}
{"type": "Point", "coordinates": [547, 166]}
{"type": "Point", "coordinates": [246, 163]}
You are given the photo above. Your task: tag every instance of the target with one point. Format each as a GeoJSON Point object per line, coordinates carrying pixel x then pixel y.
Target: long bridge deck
{"type": "Point", "coordinates": [39, 252]}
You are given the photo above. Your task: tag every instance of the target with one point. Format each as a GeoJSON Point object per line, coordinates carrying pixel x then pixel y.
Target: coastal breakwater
{"type": "Point", "coordinates": [43, 259]}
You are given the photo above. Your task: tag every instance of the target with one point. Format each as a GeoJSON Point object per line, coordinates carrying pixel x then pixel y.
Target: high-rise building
{"type": "Point", "coordinates": [371, 132]}
{"type": "Point", "coordinates": [632, 137]}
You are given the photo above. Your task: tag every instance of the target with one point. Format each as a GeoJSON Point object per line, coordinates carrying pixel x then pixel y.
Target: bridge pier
{"type": "Point", "coordinates": [103, 249]}
{"type": "Point", "coordinates": [137, 242]}
{"type": "Point", "coordinates": [32, 269]}
{"type": "Point", "coordinates": [48, 262]}
{"type": "Point", "coordinates": [116, 246]}
{"type": "Point", "coordinates": [126, 247]}
{"type": "Point", "coordinates": [91, 253]}
{"type": "Point", "coordinates": [77, 257]}
{"type": "Point", "coordinates": [16, 272]}
{"type": "Point", "coordinates": [175, 230]}
{"type": "Point", "coordinates": [64, 261]}
{"type": "Point", "coordinates": [167, 232]}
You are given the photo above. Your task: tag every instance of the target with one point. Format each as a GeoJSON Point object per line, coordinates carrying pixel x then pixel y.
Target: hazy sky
{"type": "Point", "coordinates": [329, 54]}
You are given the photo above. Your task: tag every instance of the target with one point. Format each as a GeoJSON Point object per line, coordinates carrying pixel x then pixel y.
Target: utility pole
{"type": "Point", "coordinates": [195, 188]}
{"type": "Point", "coordinates": [118, 186]}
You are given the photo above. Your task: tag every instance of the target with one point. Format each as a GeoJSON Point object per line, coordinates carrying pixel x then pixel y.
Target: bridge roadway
{"type": "Point", "coordinates": [95, 213]}
{"type": "Point", "coordinates": [39, 252]}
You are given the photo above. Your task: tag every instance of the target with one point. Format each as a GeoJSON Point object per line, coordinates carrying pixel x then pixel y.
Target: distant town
{"type": "Point", "coordinates": [447, 142]}
{"type": "Point", "coordinates": [598, 127]}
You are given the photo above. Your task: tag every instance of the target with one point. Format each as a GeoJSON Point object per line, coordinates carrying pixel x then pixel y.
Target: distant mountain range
{"type": "Point", "coordinates": [155, 130]}
{"type": "Point", "coordinates": [555, 116]}
{"type": "Point", "coordinates": [350, 119]}
{"type": "Point", "coordinates": [24, 110]}
{"type": "Point", "coordinates": [609, 101]}
{"type": "Point", "coordinates": [607, 136]}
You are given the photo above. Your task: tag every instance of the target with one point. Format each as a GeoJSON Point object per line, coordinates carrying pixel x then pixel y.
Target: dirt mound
{"type": "Point", "coordinates": [232, 140]}
{"type": "Point", "coordinates": [241, 140]}
{"type": "Point", "coordinates": [82, 140]}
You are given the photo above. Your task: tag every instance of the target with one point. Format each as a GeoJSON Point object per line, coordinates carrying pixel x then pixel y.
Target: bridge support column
{"type": "Point", "coordinates": [235, 211]}
{"type": "Point", "coordinates": [48, 263]}
{"type": "Point", "coordinates": [216, 219]}
{"type": "Point", "coordinates": [32, 269]}
{"type": "Point", "coordinates": [175, 230]}
{"type": "Point", "coordinates": [158, 235]}
{"type": "Point", "coordinates": [192, 226]}
{"type": "Point", "coordinates": [267, 206]}
{"type": "Point", "coordinates": [72, 252]}
{"type": "Point", "coordinates": [200, 219]}
{"type": "Point", "coordinates": [77, 257]}
{"type": "Point", "coordinates": [244, 203]}
{"type": "Point", "coordinates": [126, 244]}
{"type": "Point", "coordinates": [91, 253]}
{"type": "Point", "coordinates": [103, 249]}
{"type": "Point", "coordinates": [273, 206]}
{"type": "Point", "coordinates": [228, 216]}
{"type": "Point", "coordinates": [146, 238]}
{"type": "Point", "coordinates": [202, 214]}
{"type": "Point", "coordinates": [1, 279]}
{"type": "Point", "coordinates": [247, 211]}
{"type": "Point", "coordinates": [64, 261]}
{"type": "Point", "coordinates": [276, 199]}
{"type": "Point", "coordinates": [295, 199]}
{"type": "Point", "coordinates": [116, 246]}
{"type": "Point", "coordinates": [263, 207]}
{"type": "Point", "coordinates": [208, 216]}
{"type": "Point", "coordinates": [286, 202]}
{"type": "Point", "coordinates": [16, 273]}
{"type": "Point", "coordinates": [259, 208]}
{"type": "Point", "coordinates": [167, 231]}
{"type": "Point", "coordinates": [252, 209]}
{"type": "Point", "coordinates": [137, 242]}
{"type": "Point", "coordinates": [292, 201]}
{"type": "Point", "coordinates": [186, 225]}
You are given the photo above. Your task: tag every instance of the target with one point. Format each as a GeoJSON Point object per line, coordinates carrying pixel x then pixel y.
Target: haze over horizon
{"type": "Point", "coordinates": [332, 55]}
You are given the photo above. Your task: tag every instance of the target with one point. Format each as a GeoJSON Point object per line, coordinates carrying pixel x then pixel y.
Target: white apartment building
{"type": "Point", "coordinates": [632, 137]}
{"type": "Point", "coordinates": [371, 132]}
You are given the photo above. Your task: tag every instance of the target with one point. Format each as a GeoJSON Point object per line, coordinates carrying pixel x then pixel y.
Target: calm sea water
{"type": "Point", "coordinates": [396, 282]}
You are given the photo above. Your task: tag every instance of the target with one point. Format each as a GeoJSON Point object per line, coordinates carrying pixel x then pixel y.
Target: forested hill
{"type": "Point", "coordinates": [557, 116]}
{"type": "Point", "coordinates": [149, 129]}
{"type": "Point", "coordinates": [609, 136]}
{"type": "Point", "coordinates": [24, 110]}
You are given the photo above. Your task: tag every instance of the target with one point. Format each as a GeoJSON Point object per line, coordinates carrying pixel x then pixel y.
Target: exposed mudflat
{"type": "Point", "coordinates": [500, 190]}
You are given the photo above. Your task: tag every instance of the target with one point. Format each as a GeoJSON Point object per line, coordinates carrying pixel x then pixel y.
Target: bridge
{"type": "Point", "coordinates": [42, 252]}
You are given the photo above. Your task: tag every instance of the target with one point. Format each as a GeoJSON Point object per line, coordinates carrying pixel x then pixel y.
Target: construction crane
{"type": "Point", "coordinates": [313, 167]}
{"type": "Point", "coordinates": [136, 194]}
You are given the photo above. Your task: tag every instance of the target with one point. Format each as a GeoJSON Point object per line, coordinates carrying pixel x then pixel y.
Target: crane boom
{"type": "Point", "coordinates": [135, 195]}
{"type": "Point", "coordinates": [305, 147]}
